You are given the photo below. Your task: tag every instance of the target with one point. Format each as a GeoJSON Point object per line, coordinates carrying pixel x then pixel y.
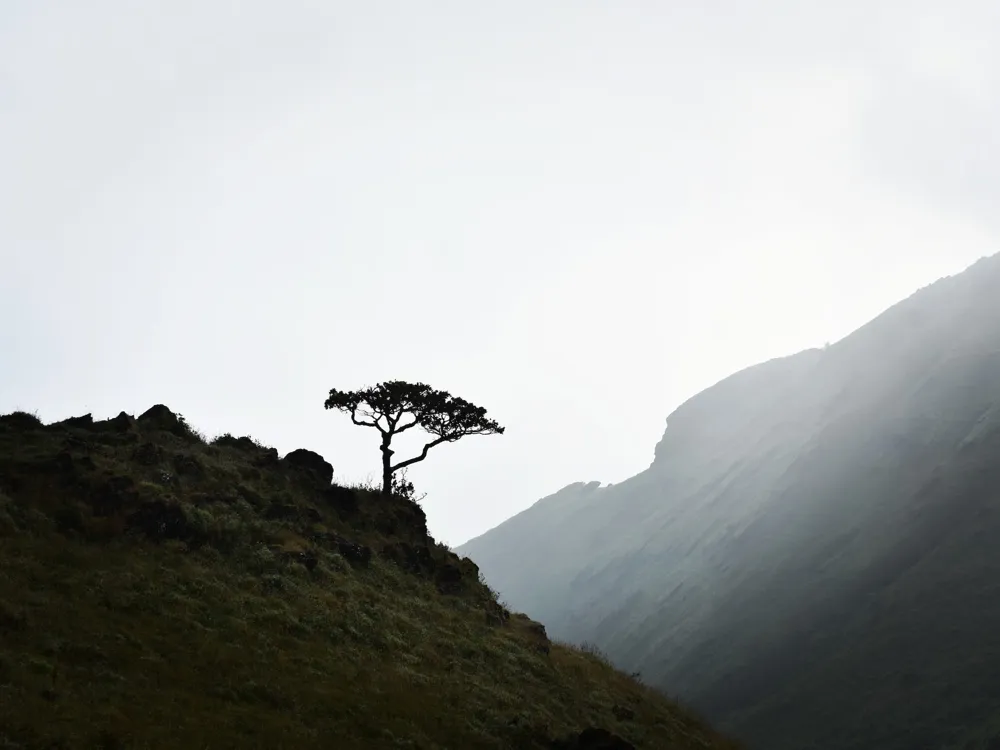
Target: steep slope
{"type": "Point", "coordinates": [809, 557]}
{"type": "Point", "coordinates": [158, 591]}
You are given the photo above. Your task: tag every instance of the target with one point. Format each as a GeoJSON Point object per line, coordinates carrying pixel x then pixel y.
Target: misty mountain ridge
{"type": "Point", "coordinates": [774, 564]}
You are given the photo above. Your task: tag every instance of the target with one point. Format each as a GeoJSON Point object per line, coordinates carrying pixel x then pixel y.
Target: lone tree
{"type": "Point", "coordinates": [397, 406]}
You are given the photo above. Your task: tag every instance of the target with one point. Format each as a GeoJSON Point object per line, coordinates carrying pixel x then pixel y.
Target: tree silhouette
{"type": "Point", "coordinates": [396, 406]}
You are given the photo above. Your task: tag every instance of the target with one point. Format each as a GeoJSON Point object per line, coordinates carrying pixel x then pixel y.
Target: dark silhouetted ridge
{"type": "Point", "coordinates": [161, 591]}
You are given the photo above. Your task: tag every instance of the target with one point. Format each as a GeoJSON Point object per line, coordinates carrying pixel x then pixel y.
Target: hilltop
{"type": "Point", "coordinates": [158, 590]}
{"type": "Point", "coordinates": [811, 557]}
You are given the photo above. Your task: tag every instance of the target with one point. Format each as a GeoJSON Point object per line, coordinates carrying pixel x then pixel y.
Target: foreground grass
{"type": "Point", "coordinates": [111, 640]}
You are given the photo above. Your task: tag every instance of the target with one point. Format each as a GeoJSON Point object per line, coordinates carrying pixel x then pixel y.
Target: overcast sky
{"type": "Point", "coordinates": [577, 214]}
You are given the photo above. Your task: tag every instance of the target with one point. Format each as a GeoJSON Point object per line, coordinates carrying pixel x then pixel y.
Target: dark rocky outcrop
{"type": "Point", "coordinates": [122, 423]}
{"type": "Point", "coordinates": [310, 464]}
{"type": "Point", "coordinates": [244, 443]}
{"type": "Point", "coordinates": [451, 574]}
{"type": "Point", "coordinates": [395, 516]}
{"type": "Point", "coordinates": [20, 421]}
{"type": "Point", "coordinates": [84, 422]}
{"type": "Point", "coordinates": [160, 418]}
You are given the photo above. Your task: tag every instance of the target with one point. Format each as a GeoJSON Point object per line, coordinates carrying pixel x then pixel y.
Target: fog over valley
{"type": "Point", "coordinates": [548, 375]}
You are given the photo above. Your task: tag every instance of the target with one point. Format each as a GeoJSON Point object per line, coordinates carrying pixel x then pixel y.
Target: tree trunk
{"type": "Point", "coordinates": [386, 465]}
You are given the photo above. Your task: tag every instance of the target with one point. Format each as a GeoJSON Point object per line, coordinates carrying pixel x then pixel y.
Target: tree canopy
{"type": "Point", "coordinates": [396, 406]}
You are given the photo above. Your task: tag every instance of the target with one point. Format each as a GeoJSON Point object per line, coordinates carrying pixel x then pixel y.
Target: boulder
{"type": "Point", "coordinates": [245, 443]}
{"type": "Point", "coordinates": [310, 463]}
{"type": "Point", "coordinates": [160, 418]}
{"type": "Point", "coordinates": [122, 423]}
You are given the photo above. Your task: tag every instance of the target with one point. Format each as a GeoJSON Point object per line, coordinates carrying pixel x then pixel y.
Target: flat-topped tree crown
{"type": "Point", "coordinates": [395, 406]}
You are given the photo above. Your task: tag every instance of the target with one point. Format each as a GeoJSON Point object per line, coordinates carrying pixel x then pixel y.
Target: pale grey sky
{"type": "Point", "coordinates": [576, 214]}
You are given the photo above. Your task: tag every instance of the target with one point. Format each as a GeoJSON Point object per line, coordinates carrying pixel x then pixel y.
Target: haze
{"type": "Point", "coordinates": [577, 215]}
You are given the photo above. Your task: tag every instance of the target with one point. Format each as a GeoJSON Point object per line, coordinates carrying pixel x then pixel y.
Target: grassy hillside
{"type": "Point", "coordinates": [811, 557]}
{"type": "Point", "coordinates": [159, 591]}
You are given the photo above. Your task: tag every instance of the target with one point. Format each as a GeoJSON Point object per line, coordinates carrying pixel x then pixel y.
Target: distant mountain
{"type": "Point", "coordinates": [813, 557]}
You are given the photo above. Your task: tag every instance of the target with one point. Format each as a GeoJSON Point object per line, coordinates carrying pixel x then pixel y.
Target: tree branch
{"type": "Point", "coordinates": [354, 418]}
{"type": "Point", "coordinates": [422, 455]}
{"type": "Point", "coordinates": [408, 425]}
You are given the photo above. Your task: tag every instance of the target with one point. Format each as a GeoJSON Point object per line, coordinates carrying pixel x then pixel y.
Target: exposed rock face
{"type": "Point", "coordinates": [19, 421]}
{"type": "Point", "coordinates": [312, 464]}
{"type": "Point", "coordinates": [159, 417]}
{"type": "Point", "coordinates": [122, 423]}
{"type": "Point", "coordinates": [451, 574]}
{"type": "Point", "coordinates": [81, 423]}
{"type": "Point", "coordinates": [244, 443]}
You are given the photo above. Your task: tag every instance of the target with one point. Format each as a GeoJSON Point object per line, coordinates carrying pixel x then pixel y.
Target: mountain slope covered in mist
{"type": "Point", "coordinates": [811, 558]}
